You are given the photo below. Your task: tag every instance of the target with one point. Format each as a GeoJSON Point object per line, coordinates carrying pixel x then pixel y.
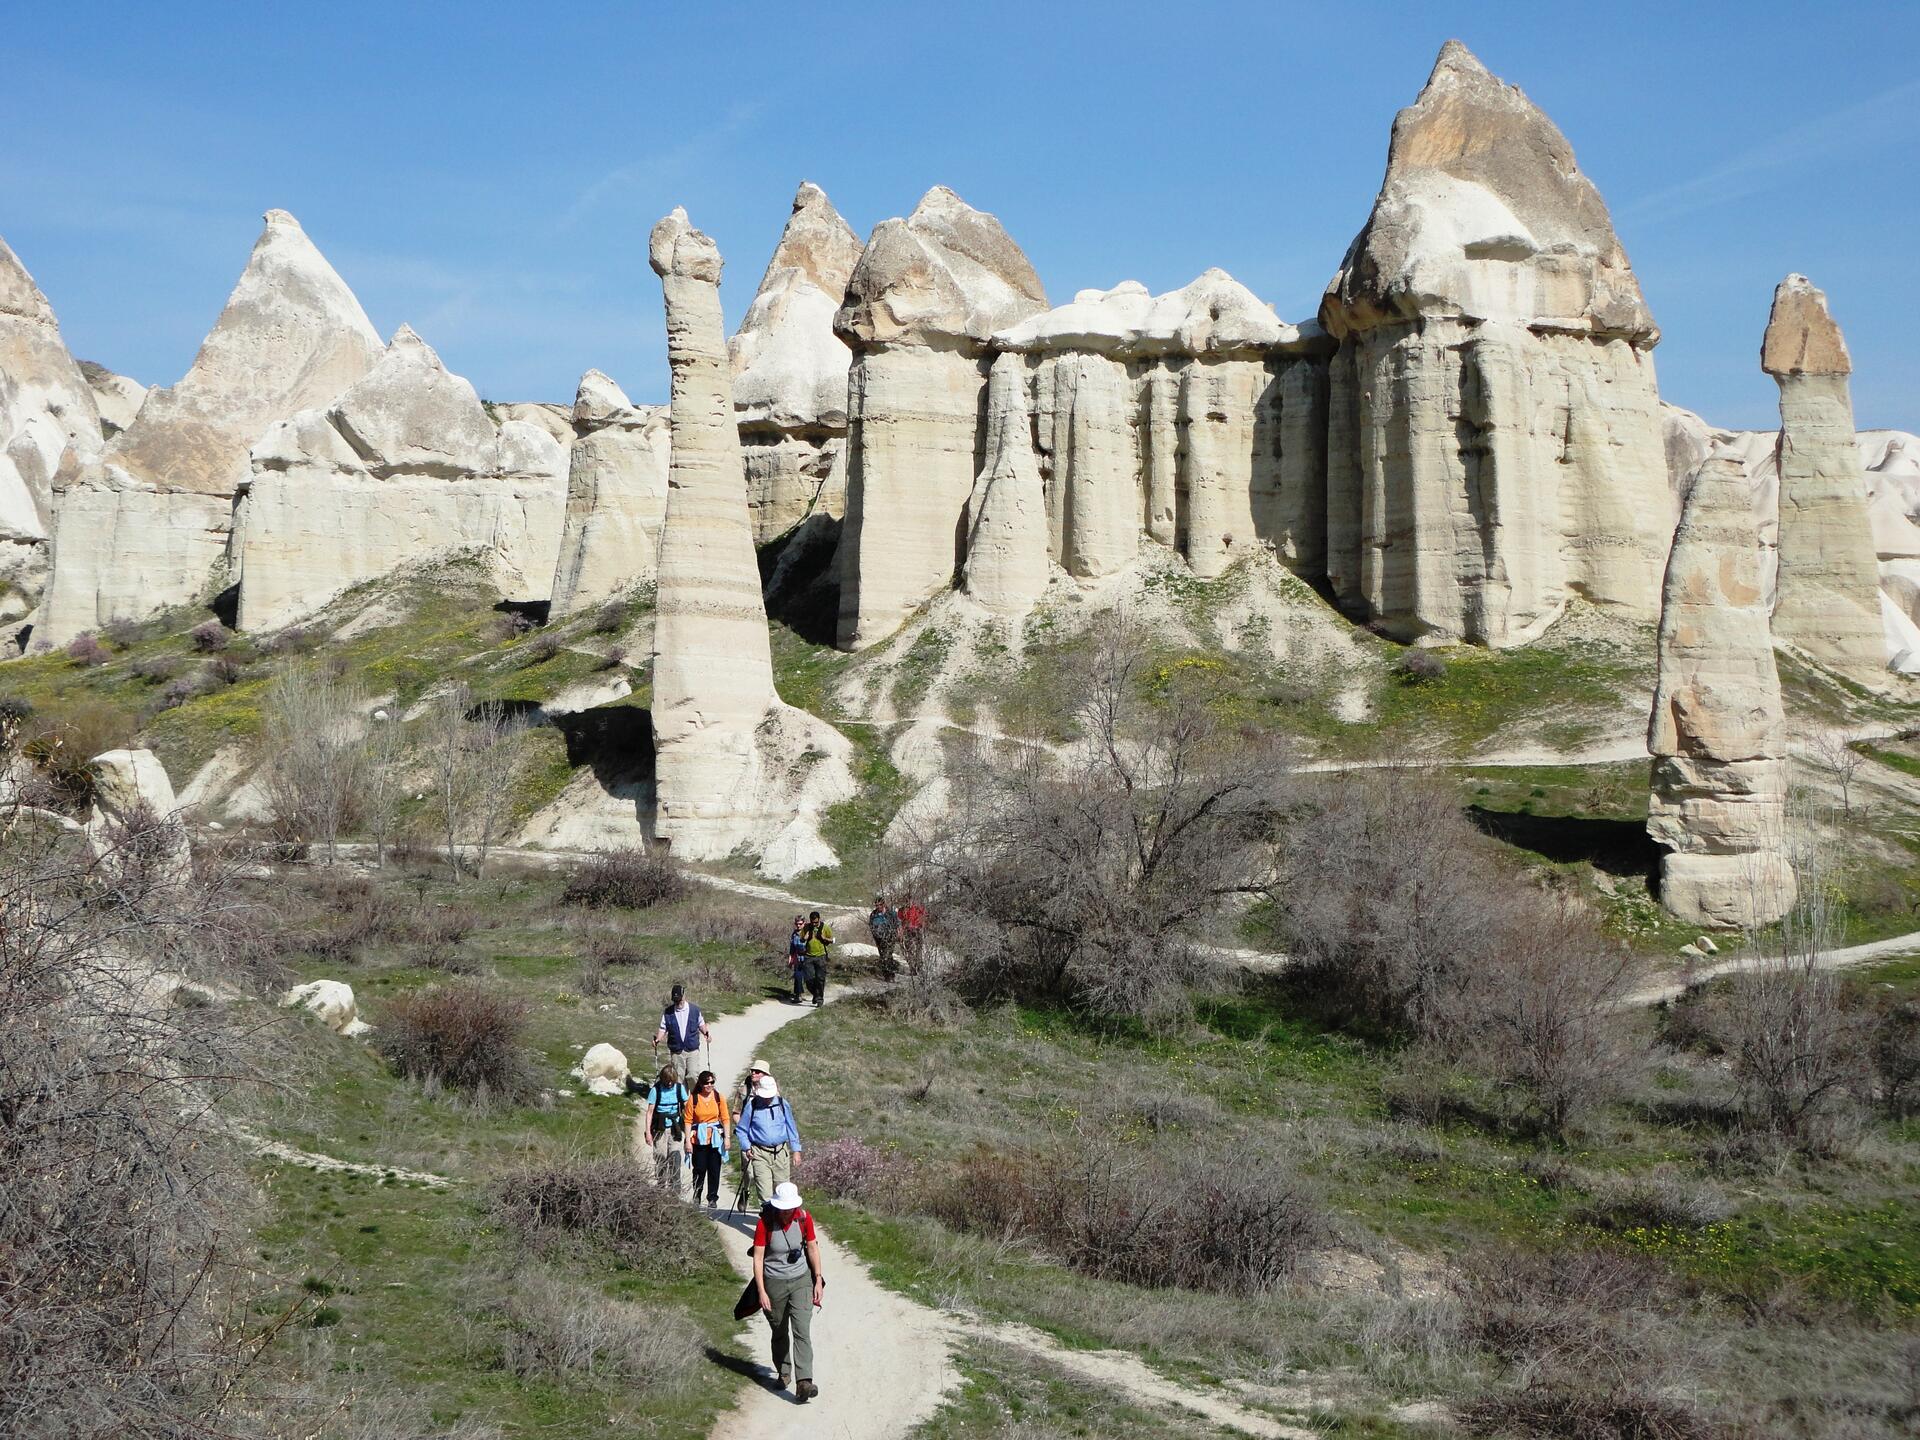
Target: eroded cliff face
{"type": "Point", "coordinates": [1828, 595]}
{"type": "Point", "coordinates": [925, 296]}
{"type": "Point", "coordinates": [616, 496]}
{"type": "Point", "coordinates": [790, 371]}
{"type": "Point", "coordinates": [49, 432]}
{"type": "Point", "coordinates": [403, 466]}
{"type": "Point", "coordinates": [148, 526]}
{"type": "Point", "coordinates": [734, 766]}
{"type": "Point", "coordinates": [1495, 442]}
{"type": "Point", "coordinates": [1718, 732]}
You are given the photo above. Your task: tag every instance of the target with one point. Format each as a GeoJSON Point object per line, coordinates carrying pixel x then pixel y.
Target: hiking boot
{"type": "Point", "coordinates": [786, 1379]}
{"type": "Point", "coordinates": [806, 1391]}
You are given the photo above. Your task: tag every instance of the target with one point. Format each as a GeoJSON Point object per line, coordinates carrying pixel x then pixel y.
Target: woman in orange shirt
{"type": "Point", "coordinates": [709, 1136]}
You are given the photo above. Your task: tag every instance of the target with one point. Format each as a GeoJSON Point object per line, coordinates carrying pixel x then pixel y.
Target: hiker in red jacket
{"type": "Point", "coordinates": [913, 931]}
{"type": "Point", "coordinates": [786, 1268]}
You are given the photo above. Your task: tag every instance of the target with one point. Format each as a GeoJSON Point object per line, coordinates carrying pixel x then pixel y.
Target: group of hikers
{"type": "Point", "coordinates": [688, 1125]}
{"type": "Point", "coordinates": [697, 1126]}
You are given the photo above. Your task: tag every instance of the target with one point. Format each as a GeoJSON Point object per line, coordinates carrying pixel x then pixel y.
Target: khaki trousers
{"type": "Point", "coordinates": [766, 1168]}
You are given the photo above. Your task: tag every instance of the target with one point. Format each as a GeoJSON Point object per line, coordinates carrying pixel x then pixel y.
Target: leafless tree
{"type": "Point", "coordinates": [1840, 760]}
{"type": "Point", "coordinates": [317, 758]}
{"type": "Point", "coordinates": [475, 758]}
{"type": "Point", "coordinates": [122, 1205]}
{"type": "Point", "coordinates": [384, 781]}
{"type": "Point", "coordinates": [1093, 873]}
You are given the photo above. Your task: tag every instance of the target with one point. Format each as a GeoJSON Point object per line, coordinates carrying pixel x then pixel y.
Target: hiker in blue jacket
{"type": "Point", "coordinates": [682, 1028]}
{"type": "Point", "coordinates": [768, 1139]}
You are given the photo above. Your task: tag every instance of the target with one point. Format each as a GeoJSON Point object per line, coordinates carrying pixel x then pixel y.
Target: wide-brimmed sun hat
{"type": "Point", "coordinates": [766, 1089]}
{"type": "Point", "coordinates": [761, 1066]}
{"type": "Point", "coordinates": [786, 1196]}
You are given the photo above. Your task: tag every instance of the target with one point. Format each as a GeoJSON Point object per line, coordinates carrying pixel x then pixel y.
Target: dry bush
{"type": "Point", "coordinates": [123, 1212]}
{"type": "Point", "coordinates": [615, 657]}
{"type": "Point", "coordinates": [1896, 1055]}
{"type": "Point", "coordinates": [608, 1204]}
{"type": "Point", "coordinates": [1658, 1200]}
{"type": "Point", "coordinates": [155, 669]}
{"type": "Point", "coordinates": [613, 949]}
{"type": "Point", "coordinates": [464, 1037]}
{"type": "Point", "coordinates": [552, 1329]}
{"type": "Point", "coordinates": [1592, 1343]}
{"type": "Point", "coordinates": [475, 757]}
{"type": "Point", "coordinates": [86, 650]}
{"type": "Point", "coordinates": [610, 618]}
{"type": "Point", "coordinates": [848, 1168]}
{"type": "Point", "coordinates": [436, 931]}
{"type": "Point", "coordinates": [210, 637]}
{"type": "Point", "coordinates": [542, 649]}
{"type": "Point", "coordinates": [354, 914]}
{"type": "Point", "coordinates": [630, 879]}
{"type": "Point", "coordinates": [1200, 1219]}
{"type": "Point", "coordinates": [1404, 920]}
{"type": "Point", "coordinates": [1092, 878]}
{"type": "Point", "coordinates": [1417, 667]}
{"type": "Point", "coordinates": [61, 745]}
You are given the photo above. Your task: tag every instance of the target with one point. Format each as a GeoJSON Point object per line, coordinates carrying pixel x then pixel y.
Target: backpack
{"type": "Point", "coordinates": [676, 1119]}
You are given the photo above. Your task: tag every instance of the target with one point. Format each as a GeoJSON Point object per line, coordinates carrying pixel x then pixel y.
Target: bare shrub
{"type": "Point", "coordinates": [1686, 1022]}
{"type": "Point", "coordinates": [225, 670]}
{"type": "Point", "coordinates": [850, 1169]}
{"type": "Point", "coordinates": [62, 744]}
{"type": "Point", "coordinates": [605, 1203]}
{"type": "Point", "coordinates": [510, 626]}
{"type": "Point", "coordinates": [465, 1037]}
{"type": "Point", "coordinates": [544, 648]}
{"type": "Point", "coordinates": [209, 637]}
{"type": "Point", "coordinates": [1417, 667]}
{"type": "Point", "coordinates": [610, 618]}
{"type": "Point", "coordinates": [631, 879]}
{"type": "Point", "coordinates": [155, 669]}
{"type": "Point", "coordinates": [1659, 1200]}
{"type": "Point", "coordinates": [437, 932]}
{"type": "Point", "coordinates": [552, 1329]}
{"type": "Point", "coordinates": [1591, 1347]}
{"type": "Point", "coordinates": [294, 640]}
{"type": "Point", "coordinates": [316, 760]}
{"type": "Point", "coordinates": [1092, 877]}
{"type": "Point", "coordinates": [86, 650]}
{"type": "Point", "coordinates": [615, 657]}
{"type": "Point", "coordinates": [182, 690]}
{"type": "Point", "coordinates": [122, 632]}
{"type": "Point", "coordinates": [122, 1210]}
{"type": "Point", "coordinates": [614, 950]}
{"type": "Point", "coordinates": [1896, 1055]}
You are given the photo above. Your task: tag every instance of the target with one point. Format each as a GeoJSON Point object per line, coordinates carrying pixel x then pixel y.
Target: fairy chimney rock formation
{"type": "Point", "coordinates": [1718, 732]}
{"type": "Point", "coordinates": [616, 496]}
{"type": "Point", "coordinates": [1828, 595]}
{"type": "Point", "coordinates": [729, 758]}
{"type": "Point", "coordinates": [147, 528]}
{"type": "Point", "coordinates": [49, 432]}
{"type": "Point", "coordinates": [922, 302]}
{"type": "Point", "coordinates": [1007, 542]}
{"type": "Point", "coordinates": [403, 466]}
{"type": "Point", "coordinates": [790, 371]}
{"type": "Point", "coordinates": [1495, 443]}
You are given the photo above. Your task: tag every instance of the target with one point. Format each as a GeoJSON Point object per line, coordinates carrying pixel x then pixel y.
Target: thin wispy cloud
{"type": "Point", "coordinates": [662, 165]}
{"type": "Point", "coordinates": [1850, 129]}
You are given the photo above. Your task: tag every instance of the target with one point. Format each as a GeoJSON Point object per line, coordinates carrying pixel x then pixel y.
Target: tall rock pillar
{"type": "Point", "coordinates": [1828, 600]}
{"type": "Point", "coordinates": [1717, 733]}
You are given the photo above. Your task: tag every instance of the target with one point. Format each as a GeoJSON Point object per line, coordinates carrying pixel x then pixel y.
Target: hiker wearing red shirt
{"type": "Point", "coordinates": [786, 1269]}
{"type": "Point", "coordinates": [913, 927]}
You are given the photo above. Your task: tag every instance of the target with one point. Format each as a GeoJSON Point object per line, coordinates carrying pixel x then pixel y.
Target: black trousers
{"type": "Point", "coordinates": [817, 978]}
{"type": "Point", "coordinates": [706, 1166]}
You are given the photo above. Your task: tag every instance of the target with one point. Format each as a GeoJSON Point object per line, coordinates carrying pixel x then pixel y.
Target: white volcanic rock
{"type": "Point", "coordinates": [603, 1070]}
{"type": "Point", "coordinates": [49, 431]}
{"type": "Point", "coordinates": [148, 528]}
{"type": "Point", "coordinates": [790, 371]}
{"type": "Point", "coordinates": [1717, 731]}
{"type": "Point", "coordinates": [1826, 601]}
{"type": "Point", "coordinates": [1495, 442]}
{"type": "Point", "coordinates": [1213, 314]}
{"type": "Point", "coordinates": [135, 818]}
{"type": "Point", "coordinates": [332, 1002]}
{"type": "Point", "coordinates": [925, 296]}
{"type": "Point", "coordinates": [291, 337]}
{"type": "Point", "coordinates": [555, 420]}
{"type": "Point", "coordinates": [733, 766]}
{"type": "Point", "coordinates": [1007, 544]}
{"type": "Point", "coordinates": [117, 397]}
{"type": "Point", "coordinates": [403, 467]}
{"type": "Point", "coordinates": [616, 496]}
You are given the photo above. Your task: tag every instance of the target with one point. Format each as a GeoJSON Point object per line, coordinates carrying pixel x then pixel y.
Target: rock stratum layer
{"type": "Point", "coordinates": [1718, 731]}
{"type": "Point", "coordinates": [403, 466]}
{"type": "Point", "coordinates": [734, 767]}
{"type": "Point", "coordinates": [1496, 442]}
{"type": "Point", "coordinates": [1827, 601]}
{"type": "Point", "coordinates": [49, 433]}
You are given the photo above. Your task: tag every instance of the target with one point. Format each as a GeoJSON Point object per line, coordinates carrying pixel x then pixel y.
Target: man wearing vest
{"type": "Point", "coordinates": [768, 1139]}
{"type": "Point", "coordinates": [786, 1268]}
{"type": "Point", "coordinates": [682, 1027]}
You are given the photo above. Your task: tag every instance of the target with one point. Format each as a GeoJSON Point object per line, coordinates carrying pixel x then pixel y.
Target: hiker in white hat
{"type": "Point", "coordinates": [768, 1138]}
{"type": "Point", "coordinates": [786, 1271]}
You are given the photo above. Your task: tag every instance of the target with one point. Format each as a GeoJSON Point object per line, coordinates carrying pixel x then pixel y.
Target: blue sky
{"type": "Point", "coordinates": [488, 173]}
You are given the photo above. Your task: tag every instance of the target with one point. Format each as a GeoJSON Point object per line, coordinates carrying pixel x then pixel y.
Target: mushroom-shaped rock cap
{"type": "Point", "coordinates": [1476, 171]}
{"type": "Point", "coordinates": [1802, 338]}
{"type": "Point", "coordinates": [599, 400]}
{"type": "Point", "coordinates": [675, 248]}
{"type": "Point", "coordinates": [947, 271]}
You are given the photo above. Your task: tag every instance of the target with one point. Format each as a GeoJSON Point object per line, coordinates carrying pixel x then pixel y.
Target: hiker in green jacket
{"type": "Point", "coordinates": [819, 941]}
